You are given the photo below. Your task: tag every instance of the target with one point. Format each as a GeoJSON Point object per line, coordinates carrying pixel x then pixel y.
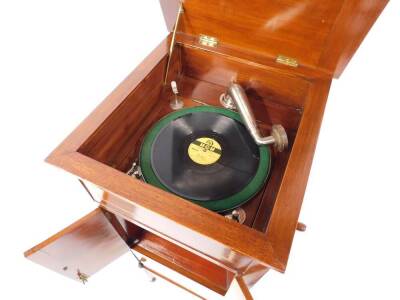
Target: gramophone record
{"type": "Point", "coordinates": [206, 155]}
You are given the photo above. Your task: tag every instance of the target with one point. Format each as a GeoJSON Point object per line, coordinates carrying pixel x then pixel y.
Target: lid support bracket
{"type": "Point", "coordinates": [172, 45]}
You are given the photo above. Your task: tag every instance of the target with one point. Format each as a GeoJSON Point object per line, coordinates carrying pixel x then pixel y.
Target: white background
{"type": "Point", "coordinates": [59, 59]}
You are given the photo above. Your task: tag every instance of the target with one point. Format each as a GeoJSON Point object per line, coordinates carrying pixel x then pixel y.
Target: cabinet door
{"type": "Point", "coordinates": [81, 249]}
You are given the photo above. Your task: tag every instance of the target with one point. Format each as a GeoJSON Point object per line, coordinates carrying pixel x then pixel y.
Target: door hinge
{"type": "Point", "coordinates": [208, 41]}
{"type": "Point", "coordinates": [288, 61]}
{"type": "Point", "coordinates": [82, 277]}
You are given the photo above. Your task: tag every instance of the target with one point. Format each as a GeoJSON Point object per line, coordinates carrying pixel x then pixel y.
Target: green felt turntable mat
{"type": "Point", "coordinates": [219, 205]}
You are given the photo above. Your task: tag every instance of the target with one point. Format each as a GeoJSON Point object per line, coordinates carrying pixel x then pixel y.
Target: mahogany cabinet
{"type": "Point", "coordinates": [285, 54]}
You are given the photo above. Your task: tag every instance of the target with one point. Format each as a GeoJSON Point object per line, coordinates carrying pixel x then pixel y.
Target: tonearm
{"type": "Point", "coordinates": [237, 96]}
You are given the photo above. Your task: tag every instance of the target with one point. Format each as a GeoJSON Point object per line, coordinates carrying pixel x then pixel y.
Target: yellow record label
{"type": "Point", "coordinates": [205, 151]}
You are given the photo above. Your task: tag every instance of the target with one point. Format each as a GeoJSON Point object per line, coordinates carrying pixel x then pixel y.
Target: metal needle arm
{"type": "Point", "coordinates": [278, 136]}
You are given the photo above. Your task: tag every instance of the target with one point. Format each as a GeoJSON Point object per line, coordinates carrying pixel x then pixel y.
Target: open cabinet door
{"type": "Point", "coordinates": [81, 249]}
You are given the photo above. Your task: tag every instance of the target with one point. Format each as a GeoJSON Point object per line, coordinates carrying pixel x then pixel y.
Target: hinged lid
{"type": "Point", "coordinates": [314, 33]}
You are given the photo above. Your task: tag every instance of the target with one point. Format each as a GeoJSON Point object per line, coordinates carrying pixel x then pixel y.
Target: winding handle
{"type": "Point", "coordinates": [278, 136]}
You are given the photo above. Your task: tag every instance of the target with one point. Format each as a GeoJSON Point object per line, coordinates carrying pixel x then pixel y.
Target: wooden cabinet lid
{"type": "Point", "coordinates": [318, 34]}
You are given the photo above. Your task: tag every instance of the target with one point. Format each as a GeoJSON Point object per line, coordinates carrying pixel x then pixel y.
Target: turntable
{"type": "Point", "coordinates": [199, 159]}
{"type": "Point", "coordinates": [212, 156]}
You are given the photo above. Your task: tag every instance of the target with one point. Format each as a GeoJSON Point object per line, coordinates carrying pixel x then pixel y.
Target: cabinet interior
{"type": "Point", "coordinates": [202, 76]}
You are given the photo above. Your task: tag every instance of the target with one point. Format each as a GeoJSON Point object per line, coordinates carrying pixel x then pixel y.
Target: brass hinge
{"type": "Point", "coordinates": [288, 61]}
{"type": "Point", "coordinates": [208, 41]}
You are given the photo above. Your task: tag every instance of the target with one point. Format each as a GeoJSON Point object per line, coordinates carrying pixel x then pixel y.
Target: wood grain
{"type": "Point", "coordinates": [320, 35]}
{"type": "Point", "coordinates": [352, 25]}
{"type": "Point", "coordinates": [118, 140]}
{"type": "Point", "coordinates": [209, 235]}
{"type": "Point", "coordinates": [293, 28]}
{"type": "Point", "coordinates": [200, 244]}
{"type": "Point", "coordinates": [85, 247]}
{"type": "Point", "coordinates": [285, 213]}
{"type": "Point", "coordinates": [222, 69]}
{"type": "Point", "coordinates": [184, 262]}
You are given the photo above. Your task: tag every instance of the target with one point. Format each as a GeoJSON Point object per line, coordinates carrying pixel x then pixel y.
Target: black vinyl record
{"type": "Point", "coordinates": [204, 156]}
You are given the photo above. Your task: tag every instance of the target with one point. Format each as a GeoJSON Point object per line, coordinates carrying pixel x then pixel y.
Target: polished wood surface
{"type": "Point", "coordinates": [172, 256]}
{"type": "Point", "coordinates": [107, 136]}
{"type": "Point", "coordinates": [235, 246]}
{"type": "Point", "coordinates": [84, 247]}
{"type": "Point", "coordinates": [251, 58]}
{"type": "Point", "coordinates": [200, 244]}
{"type": "Point", "coordinates": [296, 29]}
{"type": "Point", "coordinates": [117, 142]}
{"type": "Point", "coordinates": [219, 244]}
{"type": "Point", "coordinates": [319, 34]}
{"type": "Point", "coordinates": [258, 80]}
{"type": "Point", "coordinates": [352, 25]}
{"type": "Point", "coordinates": [110, 141]}
{"type": "Point", "coordinates": [184, 262]}
{"type": "Point", "coordinates": [285, 214]}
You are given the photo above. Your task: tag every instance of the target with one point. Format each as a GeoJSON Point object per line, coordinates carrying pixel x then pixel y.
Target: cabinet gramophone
{"type": "Point", "coordinates": [203, 152]}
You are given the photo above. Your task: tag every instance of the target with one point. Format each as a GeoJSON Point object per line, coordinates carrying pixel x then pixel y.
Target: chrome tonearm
{"type": "Point", "coordinates": [239, 98]}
